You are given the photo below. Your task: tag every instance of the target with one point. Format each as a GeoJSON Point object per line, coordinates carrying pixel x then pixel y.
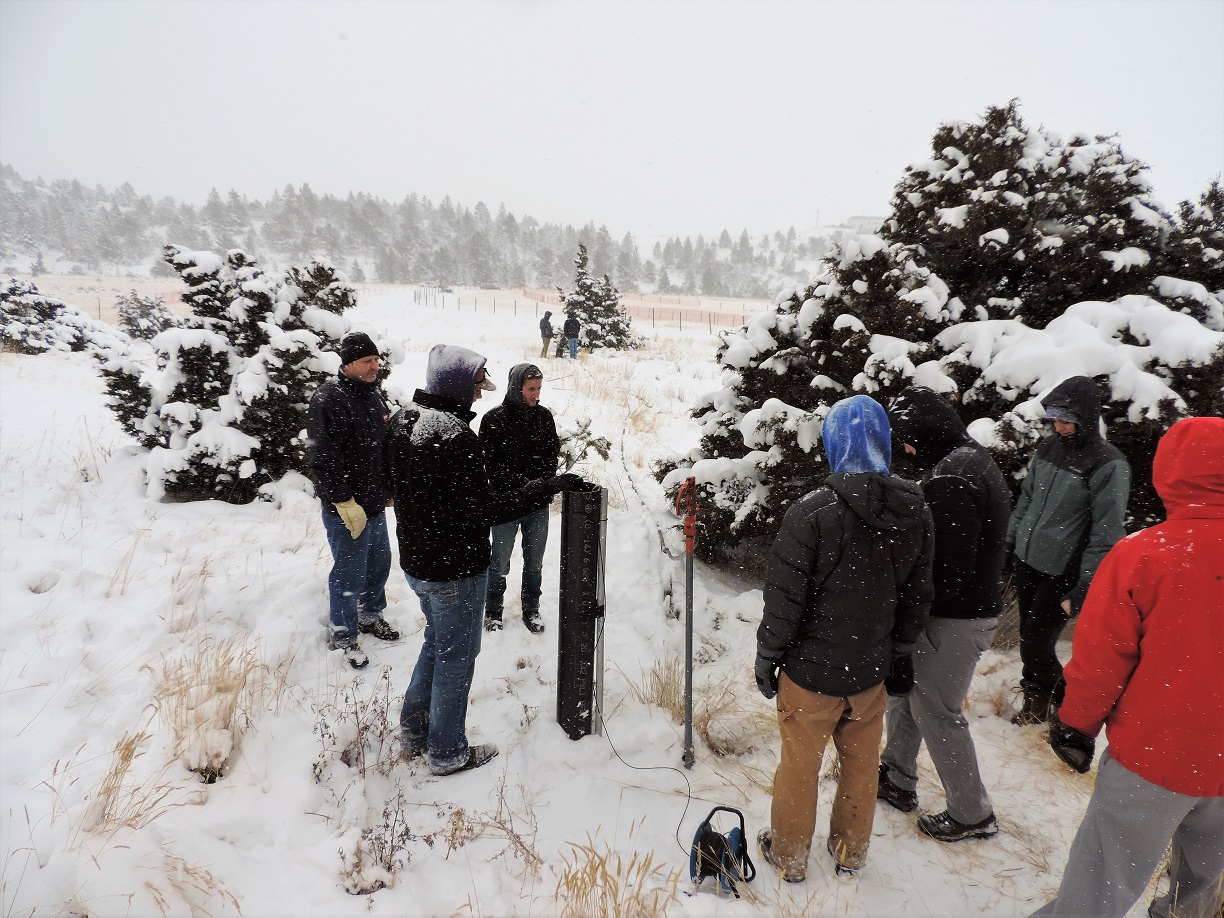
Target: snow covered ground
{"type": "Point", "coordinates": [112, 608]}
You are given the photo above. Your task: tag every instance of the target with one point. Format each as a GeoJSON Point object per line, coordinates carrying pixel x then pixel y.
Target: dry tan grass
{"type": "Point", "coordinates": [662, 687]}
{"type": "Point", "coordinates": [118, 803]}
{"type": "Point", "coordinates": [595, 880]}
{"type": "Point", "coordinates": [194, 885]}
{"type": "Point", "coordinates": [122, 575]}
{"type": "Point", "coordinates": [201, 699]}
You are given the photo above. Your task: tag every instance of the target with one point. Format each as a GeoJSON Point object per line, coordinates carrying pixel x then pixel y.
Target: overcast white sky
{"type": "Point", "coordinates": [650, 117]}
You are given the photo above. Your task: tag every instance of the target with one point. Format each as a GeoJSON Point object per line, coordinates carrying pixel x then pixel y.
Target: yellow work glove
{"type": "Point", "coordinates": [353, 517]}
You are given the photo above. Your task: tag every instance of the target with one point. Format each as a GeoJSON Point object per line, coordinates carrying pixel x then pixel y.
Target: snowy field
{"type": "Point", "coordinates": [112, 608]}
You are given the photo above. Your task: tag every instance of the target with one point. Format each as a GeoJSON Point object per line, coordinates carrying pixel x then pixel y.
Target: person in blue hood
{"type": "Point", "coordinates": [847, 592]}
{"type": "Point", "coordinates": [444, 507]}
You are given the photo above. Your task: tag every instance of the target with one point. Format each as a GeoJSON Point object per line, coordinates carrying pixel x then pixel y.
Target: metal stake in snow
{"type": "Point", "coordinates": [686, 503]}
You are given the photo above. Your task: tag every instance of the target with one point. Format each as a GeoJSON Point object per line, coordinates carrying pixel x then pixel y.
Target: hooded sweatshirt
{"type": "Point", "coordinates": [1072, 504]}
{"type": "Point", "coordinates": [849, 574]}
{"type": "Point", "coordinates": [1148, 654]}
{"type": "Point", "coordinates": [969, 500]}
{"type": "Point", "coordinates": [520, 442]}
{"type": "Point", "coordinates": [435, 468]}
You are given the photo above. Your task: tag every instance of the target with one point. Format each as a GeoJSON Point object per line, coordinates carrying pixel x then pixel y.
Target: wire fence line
{"type": "Point", "coordinates": [657, 309]}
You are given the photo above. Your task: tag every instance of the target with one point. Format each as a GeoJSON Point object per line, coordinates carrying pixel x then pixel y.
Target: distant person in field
{"type": "Point", "coordinates": [847, 592]}
{"type": "Point", "coordinates": [1148, 663]}
{"type": "Point", "coordinates": [520, 444]}
{"type": "Point", "coordinates": [443, 510]}
{"type": "Point", "coordinates": [345, 427]}
{"type": "Point", "coordinates": [970, 503]}
{"type": "Point", "coordinates": [571, 330]}
{"type": "Point", "coordinates": [546, 333]}
{"type": "Point", "coordinates": [1070, 512]}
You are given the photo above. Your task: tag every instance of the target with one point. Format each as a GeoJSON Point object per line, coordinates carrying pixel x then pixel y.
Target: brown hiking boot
{"type": "Point", "coordinates": [1036, 708]}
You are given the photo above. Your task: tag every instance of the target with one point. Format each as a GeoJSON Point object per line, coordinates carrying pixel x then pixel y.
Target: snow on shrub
{"type": "Point", "coordinates": [221, 402]}
{"type": "Point", "coordinates": [31, 323]}
{"type": "Point", "coordinates": [1012, 259]}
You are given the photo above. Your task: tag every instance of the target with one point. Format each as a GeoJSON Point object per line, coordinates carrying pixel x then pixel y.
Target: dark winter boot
{"type": "Point", "coordinates": [493, 622]}
{"type": "Point", "coordinates": [898, 798]}
{"type": "Point", "coordinates": [942, 827]}
{"type": "Point", "coordinates": [532, 620]}
{"type": "Point", "coordinates": [1036, 707]}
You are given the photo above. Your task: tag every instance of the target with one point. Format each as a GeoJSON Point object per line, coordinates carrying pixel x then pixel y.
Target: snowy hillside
{"type": "Point", "coordinates": [116, 608]}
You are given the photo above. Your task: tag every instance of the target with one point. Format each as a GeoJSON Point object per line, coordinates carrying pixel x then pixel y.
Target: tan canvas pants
{"type": "Point", "coordinates": [807, 720]}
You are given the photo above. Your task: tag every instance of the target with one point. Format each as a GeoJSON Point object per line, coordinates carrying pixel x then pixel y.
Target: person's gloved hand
{"type": "Point", "coordinates": [767, 676]}
{"type": "Point", "coordinates": [900, 678]}
{"type": "Point", "coordinates": [1009, 562]}
{"type": "Point", "coordinates": [567, 481]}
{"type": "Point", "coordinates": [353, 517]}
{"type": "Point", "coordinates": [1074, 747]}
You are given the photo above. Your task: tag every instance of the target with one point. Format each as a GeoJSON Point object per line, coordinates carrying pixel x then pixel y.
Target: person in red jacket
{"type": "Point", "coordinates": [1147, 662]}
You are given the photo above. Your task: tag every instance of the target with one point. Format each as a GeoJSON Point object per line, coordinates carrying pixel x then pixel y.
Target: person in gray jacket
{"type": "Point", "coordinates": [847, 591]}
{"type": "Point", "coordinates": [1071, 511]}
{"type": "Point", "coordinates": [970, 503]}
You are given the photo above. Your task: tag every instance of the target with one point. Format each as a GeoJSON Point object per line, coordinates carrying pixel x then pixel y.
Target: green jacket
{"type": "Point", "coordinates": [1072, 504]}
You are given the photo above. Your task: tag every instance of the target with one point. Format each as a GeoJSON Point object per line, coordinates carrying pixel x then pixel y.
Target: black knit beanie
{"type": "Point", "coordinates": [356, 345]}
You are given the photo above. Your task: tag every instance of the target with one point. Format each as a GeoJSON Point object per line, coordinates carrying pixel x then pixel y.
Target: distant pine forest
{"type": "Point", "coordinates": [64, 227]}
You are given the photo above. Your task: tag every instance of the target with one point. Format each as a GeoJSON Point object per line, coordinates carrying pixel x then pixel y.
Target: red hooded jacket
{"type": "Point", "coordinates": [1148, 655]}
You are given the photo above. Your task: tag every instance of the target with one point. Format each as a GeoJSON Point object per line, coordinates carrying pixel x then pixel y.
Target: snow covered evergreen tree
{"type": "Point", "coordinates": [31, 323]}
{"type": "Point", "coordinates": [143, 317]}
{"type": "Point", "coordinates": [597, 306]}
{"type": "Point", "coordinates": [1011, 260]}
{"type": "Point", "coordinates": [225, 407]}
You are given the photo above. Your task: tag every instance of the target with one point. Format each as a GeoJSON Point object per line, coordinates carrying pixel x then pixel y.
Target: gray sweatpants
{"type": "Point", "coordinates": [945, 657]}
{"type": "Point", "coordinates": [1122, 840]}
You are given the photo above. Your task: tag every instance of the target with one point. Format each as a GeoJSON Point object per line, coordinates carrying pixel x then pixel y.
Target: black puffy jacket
{"type": "Point", "coordinates": [443, 503]}
{"type": "Point", "coordinates": [969, 501]}
{"type": "Point", "coordinates": [849, 576]}
{"type": "Point", "coordinates": [345, 426]}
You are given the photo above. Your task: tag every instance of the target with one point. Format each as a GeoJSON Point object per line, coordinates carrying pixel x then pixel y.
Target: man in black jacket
{"type": "Point", "coordinates": [345, 425]}
{"type": "Point", "coordinates": [847, 591]}
{"type": "Point", "coordinates": [546, 333]}
{"type": "Point", "coordinates": [571, 330]}
{"type": "Point", "coordinates": [520, 445]}
{"type": "Point", "coordinates": [970, 503]}
{"type": "Point", "coordinates": [443, 508]}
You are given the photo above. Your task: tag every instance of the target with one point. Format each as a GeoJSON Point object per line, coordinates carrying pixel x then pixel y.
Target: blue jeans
{"type": "Point", "coordinates": [535, 535]}
{"type": "Point", "coordinates": [434, 716]}
{"type": "Point", "coordinates": [573, 348]}
{"type": "Point", "coordinates": [357, 583]}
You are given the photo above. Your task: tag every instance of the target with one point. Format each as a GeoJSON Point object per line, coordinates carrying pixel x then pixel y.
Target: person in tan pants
{"type": "Point", "coordinates": [847, 592]}
{"type": "Point", "coordinates": [807, 721]}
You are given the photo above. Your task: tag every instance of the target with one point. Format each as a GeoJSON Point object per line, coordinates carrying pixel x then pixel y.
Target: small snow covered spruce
{"type": "Point", "coordinates": [224, 407]}
{"type": "Point", "coordinates": [598, 308]}
{"type": "Point", "coordinates": [1012, 259]}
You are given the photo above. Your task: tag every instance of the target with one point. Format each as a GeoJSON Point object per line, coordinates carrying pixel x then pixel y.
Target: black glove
{"type": "Point", "coordinates": [1076, 749]}
{"type": "Point", "coordinates": [900, 678]}
{"type": "Point", "coordinates": [1009, 562]}
{"type": "Point", "coordinates": [566, 481]}
{"type": "Point", "coordinates": [767, 676]}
